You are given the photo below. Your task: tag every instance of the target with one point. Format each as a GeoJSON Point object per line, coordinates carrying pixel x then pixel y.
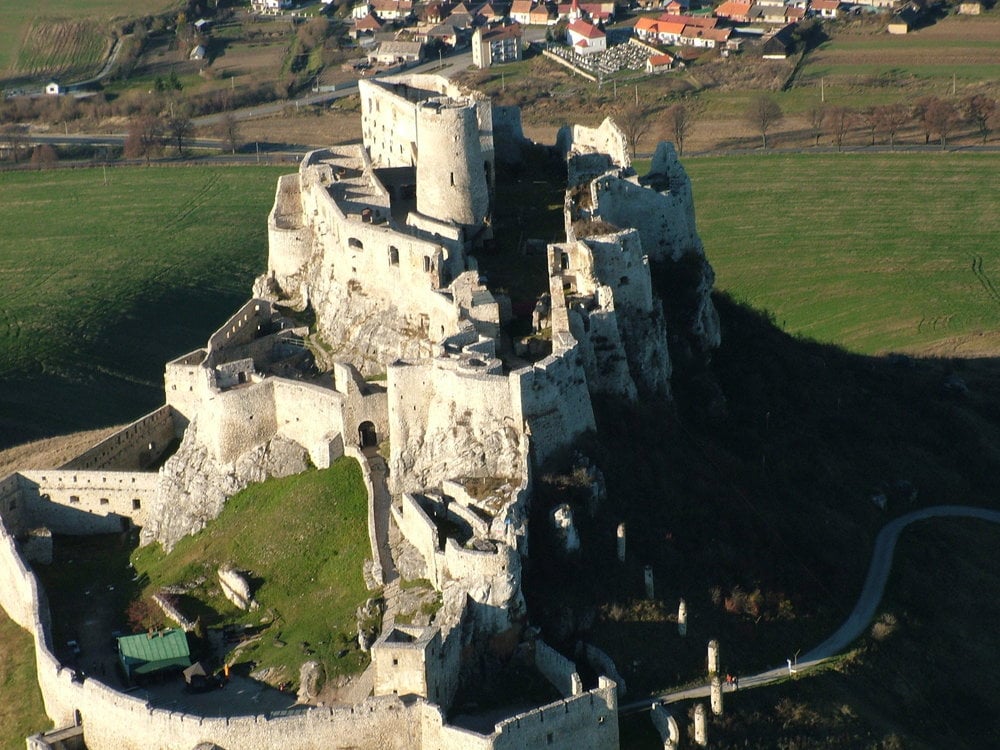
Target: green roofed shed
{"type": "Point", "coordinates": [147, 653]}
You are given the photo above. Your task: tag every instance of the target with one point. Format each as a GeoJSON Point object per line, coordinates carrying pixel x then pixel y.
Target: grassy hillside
{"type": "Point", "coordinates": [876, 253]}
{"type": "Point", "coordinates": [21, 710]}
{"type": "Point", "coordinates": [105, 282]}
{"type": "Point", "coordinates": [303, 540]}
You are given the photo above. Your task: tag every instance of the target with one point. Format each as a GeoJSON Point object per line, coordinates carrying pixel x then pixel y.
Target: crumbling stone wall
{"type": "Point", "coordinates": [136, 446]}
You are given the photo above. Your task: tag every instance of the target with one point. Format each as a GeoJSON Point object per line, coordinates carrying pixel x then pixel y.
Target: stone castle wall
{"type": "Point", "coordinates": [558, 670]}
{"type": "Point", "coordinates": [72, 501]}
{"type": "Point", "coordinates": [135, 446]}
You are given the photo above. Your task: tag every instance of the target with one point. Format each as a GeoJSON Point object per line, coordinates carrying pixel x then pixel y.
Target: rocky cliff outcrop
{"type": "Point", "coordinates": [193, 485]}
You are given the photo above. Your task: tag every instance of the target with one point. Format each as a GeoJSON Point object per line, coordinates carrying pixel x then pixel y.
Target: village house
{"type": "Point", "coordinates": [736, 11]}
{"type": "Point", "coordinates": [397, 53]}
{"type": "Point", "coordinates": [520, 12]}
{"type": "Point", "coordinates": [393, 10]}
{"type": "Point", "coordinates": [585, 38]}
{"type": "Point", "coordinates": [269, 6]}
{"type": "Point", "coordinates": [367, 26]}
{"type": "Point", "coordinates": [497, 45]}
{"type": "Point", "coordinates": [659, 63]}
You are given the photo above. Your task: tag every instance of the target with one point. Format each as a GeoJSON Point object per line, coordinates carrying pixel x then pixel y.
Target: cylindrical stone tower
{"type": "Point", "coordinates": [682, 618]}
{"type": "Point", "coordinates": [451, 168]}
{"type": "Point", "coordinates": [621, 542]}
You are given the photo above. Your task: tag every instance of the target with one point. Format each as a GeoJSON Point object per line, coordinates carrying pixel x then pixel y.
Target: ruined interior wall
{"type": "Point", "coordinates": [311, 416]}
{"type": "Point", "coordinates": [135, 446]}
{"type": "Point", "coordinates": [86, 502]}
{"type": "Point", "coordinates": [289, 242]}
{"type": "Point", "coordinates": [553, 400]}
{"type": "Point", "coordinates": [558, 670]}
{"type": "Point", "coordinates": [238, 420]}
{"type": "Point", "coordinates": [418, 529]}
{"type": "Point", "coordinates": [186, 385]}
{"type": "Point", "coordinates": [240, 329]}
{"type": "Point", "coordinates": [585, 722]}
{"type": "Point", "coordinates": [447, 420]}
{"type": "Point", "coordinates": [388, 126]}
{"type": "Point", "coordinates": [606, 138]}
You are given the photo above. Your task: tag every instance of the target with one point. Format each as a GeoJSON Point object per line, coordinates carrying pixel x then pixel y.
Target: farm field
{"type": "Point", "coordinates": [103, 283]}
{"type": "Point", "coordinates": [16, 19]}
{"type": "Point", "coordinates": [877, 253]}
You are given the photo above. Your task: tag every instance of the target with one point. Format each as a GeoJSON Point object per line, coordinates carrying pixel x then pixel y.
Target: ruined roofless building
{"type": "Point", "coordinates": [422, 123]}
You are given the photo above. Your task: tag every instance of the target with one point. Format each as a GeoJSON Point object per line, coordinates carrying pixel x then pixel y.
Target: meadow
{"type": "Point", "coordinates": [18, 19]}
{"type": "Point", "coordinates": [104, 282]}
{"type": "Point", "coordinates": [874, 252]}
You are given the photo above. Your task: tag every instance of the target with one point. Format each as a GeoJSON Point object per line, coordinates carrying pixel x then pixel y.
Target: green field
{"type": "Point", "coordinates": [16, 18]}
{"type": "Point", "coordinates": [21, 710]}
{"type": "Point", "coordinates": [102, 284]}
{"type": "Point", "coordinates": [305, 539]}
{"type": "Point", "coordinates": [891, 252]}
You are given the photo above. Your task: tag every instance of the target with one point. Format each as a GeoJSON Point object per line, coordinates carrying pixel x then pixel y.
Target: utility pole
{"type": "Point", "coordinates": [637, 95]}
{"type": "Point", "coordinates": [822, 90]}
{"type": "Point", "coordinates": [257, 144]}
{"type": "Point", "coordinates": [953, 84]}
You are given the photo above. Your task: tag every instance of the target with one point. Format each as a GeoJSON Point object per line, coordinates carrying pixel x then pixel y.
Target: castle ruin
{"type": "Point", "coordinates": [378, 242]}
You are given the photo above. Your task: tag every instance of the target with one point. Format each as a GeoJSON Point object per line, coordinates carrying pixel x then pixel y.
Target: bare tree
{"type": "Point", "coordinates": [942, 117]}
{"type": "Point", "coordinates": [228, 130]}
{"type": "Point", "coordinates": [920, 110]}
{"type": "Point", "coordinates": [15, 136]}
{"type": "Point", "coordinates": [890, 119]}
{"type": "Point", "coordinates": [869, 118]}
{"type": "Point", "coordinates": [982, 112]}
{"type": "Point", "coordinates": [679, 120]}
{"type": "Point", "coordinates": [635, 121]}
{"type": "Point", "coordinates": [144, 138]}
{"type": "Point", "coordinates": [179, 128]}
{"type": "Point", "coordinates": [839, 121]}
{"type": "Point", "coordinates": [762, 114]}
{"type": "Point", "coordinates": [816, 116]}
{"type": "Point", "coordinates": [43, 156]}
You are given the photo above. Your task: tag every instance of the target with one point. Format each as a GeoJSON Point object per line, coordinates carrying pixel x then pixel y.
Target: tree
{"type": "Point", "coordinates": [679, 120]}
{"type": "Point", "coordinates": [762, 114]}
{"type": "Point", "coordinates": [941, 117]}
{"type": "Point", "coordinates": [43, 156]}
{"type": "Point", "coordinates": [839, 121]}
{"type": "Point", "coordinates": [228, 130]}
{"type": "Point", "coordinates": [920, 110]}
{"type": "Point", "coordinates": [890, 118]}
{"type": "Point", "coordinates": [634, 120]}
{"type": "Point", "coordinates": [180, 129]}
{"type": "Point", "coordinates": [982, 112]}
{"type": "Point", "coordinates": [816, 117]}
{"type": "Point", "coordinates": [869, 118]}
{"type": "Point", "coordinates": [16, 137]}
{"type": "Point", "coordinates": [145, 135]}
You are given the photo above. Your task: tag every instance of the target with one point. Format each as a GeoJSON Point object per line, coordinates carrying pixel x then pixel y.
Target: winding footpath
{"type": "Point", "coordinates": [857, 621]}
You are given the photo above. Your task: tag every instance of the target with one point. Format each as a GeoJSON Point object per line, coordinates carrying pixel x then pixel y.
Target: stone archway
{"type": "Point", "coordinates": [367, 437]}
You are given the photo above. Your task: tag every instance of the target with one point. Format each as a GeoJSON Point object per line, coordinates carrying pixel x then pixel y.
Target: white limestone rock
{"type": "Point", "coordinates": [236, 588]}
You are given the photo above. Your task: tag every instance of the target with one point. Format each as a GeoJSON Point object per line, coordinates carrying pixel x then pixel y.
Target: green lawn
{"type": "Point", "coordinates": [104, 283]}
{"type": "Point", "coordinates": [21, 710]}
{"type": "Point", "coordinates": [873, 252]}
{"type": "Point", "coordinates": [303, 539]}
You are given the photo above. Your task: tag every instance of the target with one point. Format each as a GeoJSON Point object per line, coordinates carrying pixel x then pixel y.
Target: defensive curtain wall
{"type": "Point", "coordinates": [348, 240]}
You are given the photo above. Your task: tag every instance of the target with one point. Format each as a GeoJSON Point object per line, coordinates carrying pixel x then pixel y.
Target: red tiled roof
{"type": "Point", "coordinates": [368, 23]}
{"type": "Point", "coordinates": [658, 60]}
{"type": "Point", "coordinates": [586, 30]}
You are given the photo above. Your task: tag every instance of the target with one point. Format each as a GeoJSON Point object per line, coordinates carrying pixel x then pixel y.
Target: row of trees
{"type": "Point", "coordinates": [934, 116]}
{"type": "Point", "coordinates": [149, 135]}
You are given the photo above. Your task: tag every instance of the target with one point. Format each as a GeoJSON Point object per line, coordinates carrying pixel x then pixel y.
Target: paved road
{"type": "Point", "coordinates": [857, 621]}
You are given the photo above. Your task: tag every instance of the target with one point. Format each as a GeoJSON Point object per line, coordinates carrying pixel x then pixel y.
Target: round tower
{"type": "Point", "coordinates": [451, 168]}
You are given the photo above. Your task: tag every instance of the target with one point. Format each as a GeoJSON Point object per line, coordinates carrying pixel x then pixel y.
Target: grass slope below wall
{"type": "Point", "coordinates": [303, 539]}
{"type": "Point", "coordinates": [102, 284]}
{"type": "Point", "coordinates": [874, 252]}
{"type": "Point", "coordinates": [21, 709]}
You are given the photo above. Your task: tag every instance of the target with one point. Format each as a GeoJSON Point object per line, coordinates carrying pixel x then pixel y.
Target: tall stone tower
{"type": "Point", "coordinates": [452, 173]}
